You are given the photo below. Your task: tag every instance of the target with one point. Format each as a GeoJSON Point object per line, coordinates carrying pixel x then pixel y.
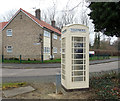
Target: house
{"type": "Point", "coordinates": [30, 37]}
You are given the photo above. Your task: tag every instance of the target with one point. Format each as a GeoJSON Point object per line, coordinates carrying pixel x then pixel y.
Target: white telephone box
{"type": "Point", "coordinates": [75, 57]}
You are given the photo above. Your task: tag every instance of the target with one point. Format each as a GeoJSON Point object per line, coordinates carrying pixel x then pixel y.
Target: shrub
{"type": "Point", "coordinates": [13, 59]}
{"type": "Point", "coordinates": [28, 59]}
{"type": "Point", "coordinates": [106, 52]}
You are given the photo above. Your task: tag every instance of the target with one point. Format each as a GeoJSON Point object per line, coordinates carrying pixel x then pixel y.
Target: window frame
{"type": "Point", "coordinates": [60, 38]}
{"type": "Point", "coordinates": [7, 32]}
{"type": "Point", "coordinates": [46, 49]}
{"type": "Point", "coordinates": [54, 50]}
{"type": "Point", "coordinates": [46, 34]}
{"type": "Point", "coordinates": [60, 50]}
{"type": "Point", "coordinates": [55, 36]}
{"type": "Point", "coordinates": [9, 48]}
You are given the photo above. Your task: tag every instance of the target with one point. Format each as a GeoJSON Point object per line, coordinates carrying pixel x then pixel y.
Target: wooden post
{"type": "Point", "coordinates": [20, 58]}
{"type": "Point", "coordinates": [2, 58]}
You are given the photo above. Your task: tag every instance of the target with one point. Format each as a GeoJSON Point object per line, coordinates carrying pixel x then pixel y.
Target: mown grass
{"type": "Point", "coordinates": [106, 86]}
{"type": "Point", "coordinates": [51, 61]}
{"type": "Point", "coordinates": [33, 61]}
{"type": "Point", "coordinates": [98, 58]}
{"type": "Point", "coordinates": [6, 86]}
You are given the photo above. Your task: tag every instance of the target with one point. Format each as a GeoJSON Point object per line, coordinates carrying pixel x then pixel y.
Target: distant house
{"type": "Point", "coordinates": [29, 36]}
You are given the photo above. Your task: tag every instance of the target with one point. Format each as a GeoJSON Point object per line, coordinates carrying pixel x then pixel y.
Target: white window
{"type": "Point", "coordinates": [55, 36]}
{"type": "Point", "coordinates": [9, 49]}
{"type": "Point", "coordinates": [54, 50]}
{"type": "Point", "coordinates": [46, 50]}
{"type": "Point", "coordinates": [60, 50]}
{"type": "Point", "coordinates": [46, 33]}
{"type": "Point", "coordinates": [9, 32]}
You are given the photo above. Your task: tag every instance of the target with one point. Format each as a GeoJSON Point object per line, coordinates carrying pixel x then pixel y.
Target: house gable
{"type": "Point", "coordinates": [39, 22]}
{"type": "Point", "coordinates": [25, 33]}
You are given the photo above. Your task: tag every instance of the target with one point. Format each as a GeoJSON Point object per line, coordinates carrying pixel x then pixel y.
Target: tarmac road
{"type": "Point", "coordinates": [49, 65]}
{"type": "Point", "coordinates": [47, 74]}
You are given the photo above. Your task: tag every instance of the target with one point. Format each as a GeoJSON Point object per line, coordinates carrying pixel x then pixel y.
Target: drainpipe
{"type": "Point", "coordinates": [51, 47]}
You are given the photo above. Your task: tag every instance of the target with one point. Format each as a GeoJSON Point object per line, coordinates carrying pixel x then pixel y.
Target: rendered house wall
{"type": "Point", "coordinates": [57, 44]}
{"type": "Point", "coordinates": [46, 44]}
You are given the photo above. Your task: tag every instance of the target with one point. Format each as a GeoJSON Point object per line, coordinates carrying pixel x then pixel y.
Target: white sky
{"type": "Point", "coordinates": [28, 5]}
{"type": "Point", "coordinates": [7, 5]}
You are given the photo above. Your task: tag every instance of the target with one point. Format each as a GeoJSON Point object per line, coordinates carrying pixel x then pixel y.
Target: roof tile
{"type": "Point", "coordinates": [2, 24]}
{"type": "Point", "coordinates": [42, 23]}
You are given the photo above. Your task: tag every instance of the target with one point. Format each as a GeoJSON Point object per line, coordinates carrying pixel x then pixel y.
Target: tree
{"type": "Point", "coordinates": [97, 41]}
{"type": "Point", "coordinates": [8, 15]}
{"type": "Point", "coordinates": [116, 44]}
{"type": "Point", "coordinates": [105, 16]}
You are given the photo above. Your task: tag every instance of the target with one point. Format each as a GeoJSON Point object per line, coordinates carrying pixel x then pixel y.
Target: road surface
{"type": "Point", "coordinates": [47, 74]}
{"type": "Point", "coordinates": [51, 65]}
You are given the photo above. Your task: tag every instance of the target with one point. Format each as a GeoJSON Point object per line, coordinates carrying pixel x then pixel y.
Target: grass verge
{"type": "Point", "coordinates": [106, 86]}
{"type": "Point", "coordinates": [51, 61]}
{"type": "Point", "coordinates": [32, 61]}
{"type": "Point", "coordinates": [6, 86]}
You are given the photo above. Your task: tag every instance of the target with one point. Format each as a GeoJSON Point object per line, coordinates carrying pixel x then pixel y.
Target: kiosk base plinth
{"type": "Point", "coordinates": [76, 89]}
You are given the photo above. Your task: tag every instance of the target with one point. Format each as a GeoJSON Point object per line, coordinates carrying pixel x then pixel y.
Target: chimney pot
{"type": "Point", "coordinates": [53, 23]}
{"type": "Point", "coordinates": [38, 14]}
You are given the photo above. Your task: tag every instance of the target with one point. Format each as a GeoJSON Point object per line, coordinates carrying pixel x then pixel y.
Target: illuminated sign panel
{"type": "Point", "coordinates": [77, 30]}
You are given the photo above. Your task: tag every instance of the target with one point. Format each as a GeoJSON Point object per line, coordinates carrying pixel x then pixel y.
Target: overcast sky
{"type": "Point", "coordinates": [28, 5]}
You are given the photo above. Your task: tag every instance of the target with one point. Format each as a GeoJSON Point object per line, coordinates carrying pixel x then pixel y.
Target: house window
{"type": "Point", "coordinates": [9, 32]}
{"type": "Point", "coordinates": [54, 50]}
{"type": "Point", "coordinates": [46, 50]}
{"type": "Point", "coordinates": [46, 33]}
{"type": "Point", "coordinates": [9, 49]}
{"type": "Point", "coordinates": [60, 50]}
{"type": "Point", "coordinates": [55, 36]}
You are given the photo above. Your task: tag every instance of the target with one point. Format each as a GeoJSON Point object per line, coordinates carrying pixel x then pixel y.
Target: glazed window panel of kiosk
{"type": "Point", "coordinates": [77, 67]}
{"type": "Point", "coordinates": [78, 79]}
{"type": "Point", "coordinates": [78, 50]}
{"type": "Point", "coordinates": [77, 61]}
{"type": "Point", "coordinates": [78, 73]}
{"type": "Point", "coordinates": [78, 56]}
{"type": "Point", "coordinates": [77, 45]}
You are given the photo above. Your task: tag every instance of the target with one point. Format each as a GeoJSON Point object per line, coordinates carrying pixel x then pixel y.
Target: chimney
{"type": "Point", "coordinates": [53, 23]}
{"type": "Point", "coordinates": [38, 14]}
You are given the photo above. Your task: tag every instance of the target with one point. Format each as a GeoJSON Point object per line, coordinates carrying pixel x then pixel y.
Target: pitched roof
{"type": "Point", "coordinates": [39, 22]}
{"type": "Point", "coordinates": [2, 24]}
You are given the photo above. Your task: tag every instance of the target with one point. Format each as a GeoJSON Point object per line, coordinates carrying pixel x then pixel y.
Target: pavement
{"type": "Point", "coordinates": [17, 91]}
{"type": "Point", "coordinates": [50, 65]}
